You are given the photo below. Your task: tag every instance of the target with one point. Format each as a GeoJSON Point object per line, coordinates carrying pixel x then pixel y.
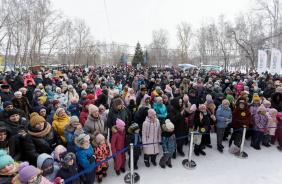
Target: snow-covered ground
{"type": "Point", "coordinates": [261, 167]}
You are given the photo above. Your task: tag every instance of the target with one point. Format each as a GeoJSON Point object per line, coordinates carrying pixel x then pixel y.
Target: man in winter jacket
{"type": "Point", "coordinates": [6, 94]}
{"type": "Point", "coordinates": [140, 96]}
{"type": "Point", "coordinates": [8, 105]}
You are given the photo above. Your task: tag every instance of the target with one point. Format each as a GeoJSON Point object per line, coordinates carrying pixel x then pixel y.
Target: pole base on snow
{"type": "Point", "coordinates": [189, 165]}
{"type": "Point", "coordinates": [136, 178]}
{"type": "Point", "coordinates": [242, 155]}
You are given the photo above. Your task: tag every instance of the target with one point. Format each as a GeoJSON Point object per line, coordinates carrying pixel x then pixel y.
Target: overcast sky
{"type": "Point", "coordinates": [134, 20]}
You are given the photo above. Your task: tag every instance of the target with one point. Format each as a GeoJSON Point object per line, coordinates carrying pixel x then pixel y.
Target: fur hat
{"type": "Point", "coordinates": [92, 108]}
{"type": "Point", "coordinates": [151, 112]}
{"type": "Point", "coordinates": [209, 86]}
{"type": "Point", "coordinates": [57, 89]}
{"type": "Point", "coordinates": [67, 157]}
{"type": "Point", "coordinates": [12, 112]}
{"type": "Point", "coordinates": [36, 118]}
{"type": "Point", "coordinates": [169, 125]}
{"type": "Point", "coordinates": [117, 101]}
{"type": "Point", "coordinates": [224, 102]}
{"type": "Point", "coordinates": [119, 123]}
{"type": "Point", "coordinates": [82, 138]}
{"type": "Point", "coordinates": [17, 93]}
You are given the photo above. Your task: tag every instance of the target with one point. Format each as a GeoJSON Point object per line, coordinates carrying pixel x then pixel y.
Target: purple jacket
{"type": "Point", "coordinates": [260, 122]}
{"type": "Point", "coordinates": [254, 110]}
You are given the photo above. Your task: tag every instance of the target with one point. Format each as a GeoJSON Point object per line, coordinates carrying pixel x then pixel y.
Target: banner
{"type": "Point", "coordinates": [275, 65]}
{"type": "Point", "coordinates": [262, 61]}
{"type": "Point", "coordinates": [1, 64]}
{"type": "Point", "coordinates": [145, 59]}
{"type": "Point", "coordinates": [124, 62]}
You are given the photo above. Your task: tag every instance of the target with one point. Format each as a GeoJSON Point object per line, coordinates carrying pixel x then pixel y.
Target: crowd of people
{"type": "Point", "coordinates": [55, 124]}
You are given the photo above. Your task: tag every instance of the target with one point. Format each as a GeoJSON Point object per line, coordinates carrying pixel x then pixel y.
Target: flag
{"type": "Point", "coordinates": [145, 59]}
{"type": "Point", "coordinates": [262, 61]}
{"type": "Point", "coordinates": [124, 62]}
{"type": "Point", "coordinates": [275, 65]}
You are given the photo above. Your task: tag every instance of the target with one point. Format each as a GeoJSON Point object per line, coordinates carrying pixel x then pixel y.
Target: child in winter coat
{"type": "Point", "coordinates": [70, 168]}
{"type": "Point", "coordinates": [161, 110]}
{"type": "Point", "coordinates": [103, 112]}
{"type": "Point", "coordinates": [151, 132]}
{"type": "Point", "coordinates": [28, 78]}
{"type": "Point", "coordinates": [85, 155]}
{"type": "Point", "coordinates": [74, 107]}
{"type": "Point", "coordinates": [186, 104]}
{"type": "Point", "coordinates": [130, 96]}
{"type": "Point", "coordinates": [133, 136]}
{"type": "Point", "coordinates": [260, 127]}
{"type": "Point", "coordinates": [117, 144]}
{"type": "Point", "coordinates": [73, 130]}
{"type": "Point", "coordinates": [30, 174]}
{"type": "Point", "coordinates": [8, 167]}
{"type": "Point", "coordinates": [57, 153]}
{"type": "Point", "coordinates": [101, 151]}
{"type": "Point", "coordinates": [272, 114]}
{"type": "Point", "coordinates": [169, 143]}
{"type": "Point", "coordinates": [278, 132]}
{"type": "Point", "coordinates": [46, 163]}
{"type": "Point", "coordinates": [266, 104]}
{"type": "Point", "coordinates": [132, 108]}
{"type": "Point", "coordinates": [98, 90]}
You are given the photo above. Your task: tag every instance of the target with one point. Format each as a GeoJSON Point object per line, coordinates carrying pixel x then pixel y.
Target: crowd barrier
{"type": "Point", "coordinates": [133, 177]}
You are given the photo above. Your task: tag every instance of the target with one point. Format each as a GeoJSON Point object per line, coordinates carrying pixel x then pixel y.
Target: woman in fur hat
{"type": "Point", "coordinates": [21, 102]}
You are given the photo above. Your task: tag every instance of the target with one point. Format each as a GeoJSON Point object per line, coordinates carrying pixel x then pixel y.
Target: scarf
{"type": "Point", "coordinates": [42, 133]}
{"type": "Point", "coordinates": [49, 171]}
{"type": "Point", "coordinates": [205, 113]}
{"type": "Point", "coordinates": [136, 138]}
{"type": "Point", "coordinates": [38, 180]}
{"type": "Point", "coordinates": [4, 144]}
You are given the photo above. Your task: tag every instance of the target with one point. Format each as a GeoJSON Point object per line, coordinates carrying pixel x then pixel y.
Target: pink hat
{"type": "Point", "coordinates": [266, 103]}
{"type": "Point", "coordinates": [202, 106]}
{"type": "Point", "coordinates": [167, 88]}
{"type": "Point", "coordinates": [59, 150]}
{"type": "Point", "coordinates": [119, 123]}
{"type": "Point", "coordinates": [58, 110]}
{"type": "Point", "coordinates": [151, 112]}
{"type": "Point", "coordinates": [262, 108]}
{"type": "Point", "coordinates": [193, 108]}
{"type": "Point", "coordinates": [279, 115]}
{"type": "Point", "coordinates": [185, 98]}
{"type": "Point", "coordinates": [272, 110]}
{"type": "Point", "coordinates": [73, 99]}
{"type": "Point", "coordinates": [99, 138]}
{"type": "Point", "coordinates": [101, 107]}
{"type": "Point", "coordinates": [145, 97]}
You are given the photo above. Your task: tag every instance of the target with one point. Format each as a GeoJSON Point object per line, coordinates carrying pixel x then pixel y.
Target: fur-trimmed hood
{"type": "Point", "coordinates": [79, 144]}
{"type": "Point", "coordinates": [129, 130]}
{"type": "Point", "coordinates": [114, 129]}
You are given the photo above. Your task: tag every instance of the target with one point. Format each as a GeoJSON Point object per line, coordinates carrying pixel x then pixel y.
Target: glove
{"type": "Point", "coordinates": [79, 105]}
{"type": "Point", "coordinates": [57, 180]}
{"type": "Point", "coordinates": [74, 108]}
{"type": "Point", "coordinates": [213, 117]}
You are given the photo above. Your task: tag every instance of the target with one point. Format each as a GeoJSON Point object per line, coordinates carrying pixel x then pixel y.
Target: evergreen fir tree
{"type": "Point", "coordinates": [138, 56]}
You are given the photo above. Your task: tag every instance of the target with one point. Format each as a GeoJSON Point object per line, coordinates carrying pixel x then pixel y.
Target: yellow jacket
{"type": "Point", "coordinates": [59, 124]}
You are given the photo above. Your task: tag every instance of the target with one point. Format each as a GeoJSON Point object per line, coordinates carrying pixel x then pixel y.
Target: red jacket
{"type": "Point", "coordinates": [241, 117]}
{"type": "Point", "coordinates": [83, 116]}
{"type": "Point", "coordinates": [118, 140]}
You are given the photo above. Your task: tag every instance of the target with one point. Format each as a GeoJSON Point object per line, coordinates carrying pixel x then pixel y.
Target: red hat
{"type": "Point", "coordinates": [4, 82]}
{"type": "Point", "coordinates": [55, 102]}
{"type": "Point", "coordinates": [91, 96]}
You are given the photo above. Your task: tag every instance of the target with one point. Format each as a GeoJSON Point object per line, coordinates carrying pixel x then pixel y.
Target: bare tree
{"type": "Point", "coordinates": [184, 35]}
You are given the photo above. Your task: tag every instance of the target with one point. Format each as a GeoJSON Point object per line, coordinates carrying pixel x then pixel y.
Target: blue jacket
{"type": "Point", "coordinates": [161, 111]}
{"type": "Point", "coordinates": [70, 134]}
{"type": "Point", "coordinates": [50, 94]}
{"type": "Point", "coordinates": [221, 114]}
{"type": "Point", "coordinates": [84, 156]}
{"type": "Point", "coordinates": [72, 111]}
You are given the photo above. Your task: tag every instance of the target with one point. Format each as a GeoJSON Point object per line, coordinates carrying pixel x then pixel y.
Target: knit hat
{"type": "Point", "coordinates": [82, 138]}
{"type": "Point", "coordinates": [55, 102]}
{"type": "Point", "coordinates": [83, 92]}
{"type": "Point", "coordinates": [262, 108]}
{"type": "Point", "coordinates": [84, 84]}
{"type": "Point", "coordinates": [42, 98]}
{"type": "Point", "coordinates": [185, 98]}
{"type": "Point", "coordinates": [73, 99]}
{"type": "Point", "coordinates": [70, 87]}
{"type": "Point", "coordinates": [111, 85]}
{"type": "Point", "coordinates": [119, 123]}
{"type": "Point", "coordinates": [59, 150]}
{"type": "Point", "coordinates": [26, 171]}
{"type": "Point", "coordinates": [229, 98]}
{"type": "Point", "coordinates": [209, 101]}
{"type": "Point", "coordinates": [99, 138]}
{"type": "Point", "coordinates": [134, 126]}
{"type": "Point", "coordinates": [17, 93]}
{"type": "Point", "coordinates": [91, 96]}
{"type": "Point", "coordinates": [266, 103]}
{"type": "Point", "coordinates": [227, 89]}
{"type": "Point", "coordinates": [208, 97]}
{"type": "Point", "coordinates": [242, 93]}
{"type": "Point", "coordinates": [92, 108]}
{"type": "Point", "coordinates": [158, 88]}
{"type": "Point", "coordinates": [151, 112]}
{"type": "Point", "coordinates": [209, 86]}
{"type": "Point", "coordinates": [246, 88]}
{"type": "Point", "coordinates": [74, 119]}
{"type": "Point", "coordinates": [12, 112]}
{"type": "Point", "coordinates": [57, 88]}
{"type": "Point", "coordinates": [101, 107]}
{"type": "Point", "coordinates": [5, 159]}
{"type": "Point", "coordinates": [193, 108]}
{"type": "Point", "coordinates": [279, 115]}
{"type": "Point", "coordinates": [116, 92]}
{"type": "Point", "coordinates": [256, 98]}
{"type": "Point", "coordinates": [169, 125]}
{"type": "Point", "coordinates": [22, 89]}
{"type": "Point", "coordinates": [86, 102]}
{"type": "Point", "coordinates": [272, 110]}
{"type": "Point", "coordinates": [58, 110]}
{"type": "Point", "coordinates": [202, 106]}
{"type": "Point", "coordinates": [5, 104]}
{"type": "Point", "coordinates": [224, 102]}
{"type": "Point", "coordinates": [35, 118]}
{"type": "Point", "coordinates": [159, 99]}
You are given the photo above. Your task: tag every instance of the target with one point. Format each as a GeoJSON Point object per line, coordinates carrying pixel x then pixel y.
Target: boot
{"type": "Point", "coordinates": [104, 175]}
{"type": "Point", "coordinates": [225, 139]}
{"type": "Point", "coordinates": [202, 152]}
{"type": "Point", "coordinates": [279, 148]}
{"type": "Point", "coordinates": [122, 170]}
{"type": "Point", "coordinates": [154, 163]}
{"type": "Point", "coordinates": [266, 145]}
{"type": "Point", "coordinates": [118, 172]}
{"type": "Point", "coordinates": [135, 167]}
{"type": "Point", "coordinates": [147, 164]}
{"type": "Point", "coordinates": [180, 151]}
{"type": "Point", "coordinates": [174, 155]}
{"type": "Point", "coordinates": [169, 165]}
{"type": "Point", "coordinates": [209, 145]}
{"type": "Point", "coordinates": [99, 180]}
{"type": "Point", "coordinates": [196, 152]}
{"type": "Point", "coordinates": [220, 149]}
{"type": "Point", "coordinates": [162, 166]}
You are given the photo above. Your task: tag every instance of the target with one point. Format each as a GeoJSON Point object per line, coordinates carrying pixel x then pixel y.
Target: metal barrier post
{"type": "Point", "coordinates": [189, 163]}
{"type": "Point", "coordinates": [132, 177]}
{"type": "Point", "coordinates": [241, 153]}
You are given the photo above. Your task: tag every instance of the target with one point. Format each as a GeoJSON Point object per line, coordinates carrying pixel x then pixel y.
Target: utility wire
{"type": "Point", "coordinates": [108, 20]}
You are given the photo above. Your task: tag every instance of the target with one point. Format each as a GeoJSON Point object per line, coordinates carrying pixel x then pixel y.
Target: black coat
{"type": "Point", "coordinates": [138, 99]}
{"type": "Point", "coordinates": [18, 127]}
{"type": "Point", "coordinates": [14, 85]}
{"type": "Point", "coordinates": [130, 138]}
{"type": "Point", "coordinates": [4, 115]}
{"type": "Point", "coordinates": [268, 92]}
{"type": "Point", "coordinates": [178, 120]}
{"type": "Point", "coordinates": [34, 146]}
{"type": "Point", "coordinates": [6, 96]}
{"type": "Point", "coordinates": [276, 104]}
{"type": "Point", "coordinates": [203, 127]}
{"type": "Point", "coordinates": [103, 99]}
{"type": "Point", "coordinates": [140, 116]}
{"type": "Point", "coordinates": [47, 81]}
{"type": "Point", "coordinates": [66, 173]}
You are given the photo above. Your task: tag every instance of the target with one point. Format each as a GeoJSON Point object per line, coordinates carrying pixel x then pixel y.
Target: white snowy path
{"type": "Point", "coordinates": [261, 167]}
